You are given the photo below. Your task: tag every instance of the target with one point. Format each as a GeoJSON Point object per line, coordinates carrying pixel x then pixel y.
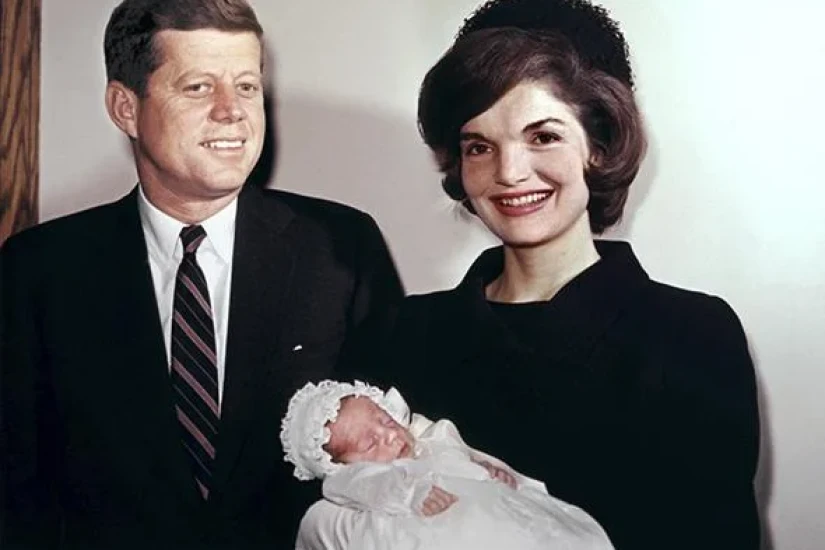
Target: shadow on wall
{"type": "Point", "coordinates": [108, 181]}
{"type": "Point", "coordinates": [375, 161]}
{"type": "Point", "coordinates": [764, 474]}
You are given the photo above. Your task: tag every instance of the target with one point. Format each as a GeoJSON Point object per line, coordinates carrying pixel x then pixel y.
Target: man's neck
{"type": "Point", "coordinates": [186, 210]}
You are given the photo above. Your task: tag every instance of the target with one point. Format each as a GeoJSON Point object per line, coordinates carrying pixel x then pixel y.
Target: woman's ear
{"type": "Point", "coordinates": [122, 104]}
{"type": "Point", "coordinates": [596, 157]}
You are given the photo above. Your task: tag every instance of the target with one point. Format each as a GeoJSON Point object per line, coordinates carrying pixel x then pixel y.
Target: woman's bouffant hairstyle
{"type": "Point", "coordinates": [131, 51]}
{"type": "Point", "coordinates": [591, 31]}
{"type": "Point", "coordinates": [482, 66]}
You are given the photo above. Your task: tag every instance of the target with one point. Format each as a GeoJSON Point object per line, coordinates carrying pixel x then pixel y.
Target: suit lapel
{"type": "Point", "coordinates": [144, 372]}
{"type": "Point", "coordinates": [262, 270]}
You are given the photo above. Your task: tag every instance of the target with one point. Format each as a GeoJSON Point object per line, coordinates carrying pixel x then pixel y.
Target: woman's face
{"type": "Point", "coordinates": [522, 166]}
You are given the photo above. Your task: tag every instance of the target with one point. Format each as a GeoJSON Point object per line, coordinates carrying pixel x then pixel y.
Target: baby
{"type": "Point", "coordinates": [400, 482]}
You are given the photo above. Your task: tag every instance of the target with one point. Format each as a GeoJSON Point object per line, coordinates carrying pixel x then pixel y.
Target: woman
{"type": "Point", "coordinates": [642, 395]}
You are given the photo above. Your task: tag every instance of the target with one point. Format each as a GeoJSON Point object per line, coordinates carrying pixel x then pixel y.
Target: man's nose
{"type": "Point", "coordinates": [227, 107]}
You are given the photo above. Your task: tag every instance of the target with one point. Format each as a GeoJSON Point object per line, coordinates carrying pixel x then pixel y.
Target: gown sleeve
{"type": "Point", "coordinates": [396, 488]}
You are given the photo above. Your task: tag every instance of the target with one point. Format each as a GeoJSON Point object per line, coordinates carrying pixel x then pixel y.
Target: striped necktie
{"type": "Point", "coordinates": [194, 369]}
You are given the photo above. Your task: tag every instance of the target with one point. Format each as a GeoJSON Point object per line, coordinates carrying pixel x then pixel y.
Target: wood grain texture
{"type": "Point", "coordinates": [19, 113]}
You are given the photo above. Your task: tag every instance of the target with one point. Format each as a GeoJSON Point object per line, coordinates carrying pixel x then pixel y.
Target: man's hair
{"type": "Point", "coordinates": [131, 51]}
{"type": "Point", "coordinates": [484, 65]}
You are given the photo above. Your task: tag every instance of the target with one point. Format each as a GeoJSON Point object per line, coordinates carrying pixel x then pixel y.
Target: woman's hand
{"type": "Point", "coordinates": [437, 501]}
{"type": "Point", "coordinates": [499, 474]}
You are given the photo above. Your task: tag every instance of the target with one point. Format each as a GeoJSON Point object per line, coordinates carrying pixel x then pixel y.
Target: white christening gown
{"type": "Point", "coordinates": [375, 506]}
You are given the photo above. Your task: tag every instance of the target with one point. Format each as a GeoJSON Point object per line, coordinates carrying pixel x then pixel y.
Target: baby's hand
{"type": "Point", "coordinates": [499, 474]}
{"type": "Point", "coordinates": [437, 501]}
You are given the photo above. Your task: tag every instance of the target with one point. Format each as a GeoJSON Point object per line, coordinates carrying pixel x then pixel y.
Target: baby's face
{"type": "Point", "coordinates": [364, 432]}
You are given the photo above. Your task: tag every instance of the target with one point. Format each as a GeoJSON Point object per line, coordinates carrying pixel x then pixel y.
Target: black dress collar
{"type": "Point", "coordinates": [575, 320]}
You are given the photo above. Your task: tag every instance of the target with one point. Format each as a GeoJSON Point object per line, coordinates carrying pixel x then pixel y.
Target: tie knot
{"type": "Point", "coordinates": [192, 236]}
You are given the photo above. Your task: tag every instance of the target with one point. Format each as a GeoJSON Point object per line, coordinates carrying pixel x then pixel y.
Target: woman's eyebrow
{"type": "Point", "coordinates": [467, 136]}
{"type": "Point", "coordinates": [539, 123]}
{"type": "Point", "coordinates": [535, 125]}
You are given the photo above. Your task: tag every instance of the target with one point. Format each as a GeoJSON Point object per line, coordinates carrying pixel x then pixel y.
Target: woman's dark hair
{"type": "Point", "coordinates": [484, 65]}
{"type": "Point", "coordinates": [130, 48]}
{"type": "Point", "coordinates": [591, 31]}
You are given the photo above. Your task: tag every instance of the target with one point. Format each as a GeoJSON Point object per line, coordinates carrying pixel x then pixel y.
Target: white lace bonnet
{"type": "Point", "coordinates": [304, 429]}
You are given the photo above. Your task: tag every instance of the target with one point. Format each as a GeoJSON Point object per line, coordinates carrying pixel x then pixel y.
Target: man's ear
{"type": "Point", "coordinates": [122, 105]}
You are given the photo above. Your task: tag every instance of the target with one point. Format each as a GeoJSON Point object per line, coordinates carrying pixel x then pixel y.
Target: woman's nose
{"type": "Point", "coordinates": [513, 166]}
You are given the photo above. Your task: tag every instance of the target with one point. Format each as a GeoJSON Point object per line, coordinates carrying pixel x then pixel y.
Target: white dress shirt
{"type": "Point", "coordinates": [214, 256]}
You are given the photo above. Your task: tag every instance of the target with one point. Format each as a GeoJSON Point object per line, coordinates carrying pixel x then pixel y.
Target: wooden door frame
{"type": "Point", "coordinates": [19, 114]}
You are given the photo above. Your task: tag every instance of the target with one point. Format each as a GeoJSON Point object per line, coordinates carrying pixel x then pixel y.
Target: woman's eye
{"type": "Point", "coordinates": [545, 138]}
{"type": "Point", "coordinates": [475, 149]}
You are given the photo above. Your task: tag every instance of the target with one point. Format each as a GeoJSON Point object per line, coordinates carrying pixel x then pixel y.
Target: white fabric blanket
{"type": "Point", "coordinates": [374, 506]}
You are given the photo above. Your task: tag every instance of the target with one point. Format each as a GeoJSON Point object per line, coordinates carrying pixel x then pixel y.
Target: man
{"type": "Point", "coordinates": [150, 345]}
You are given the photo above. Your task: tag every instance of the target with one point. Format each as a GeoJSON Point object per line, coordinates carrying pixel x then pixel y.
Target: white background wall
{"type": "Point", "coordinates": [730, 199]}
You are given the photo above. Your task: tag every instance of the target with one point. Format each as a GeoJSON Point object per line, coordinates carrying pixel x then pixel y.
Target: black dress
{"type": "Point", "coordinates": [632, 399]}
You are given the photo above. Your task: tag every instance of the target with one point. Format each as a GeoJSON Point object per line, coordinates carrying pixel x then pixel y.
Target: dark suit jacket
{"type": "Point", "coordinates": [91, 450]}
{"type": "Point", "coordinates": [631, 399]}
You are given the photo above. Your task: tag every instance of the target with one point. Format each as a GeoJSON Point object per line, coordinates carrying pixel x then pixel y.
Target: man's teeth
{"type": "Point", "coordinates": [223, 144]}
{"type": "Point", "coordinates": [524, 199]}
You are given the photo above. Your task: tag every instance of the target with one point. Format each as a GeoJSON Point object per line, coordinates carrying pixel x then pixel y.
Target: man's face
{"type": "Point", "coordinates": [364, 432]}
{"type": "Point", "coordinates": [199, 128]}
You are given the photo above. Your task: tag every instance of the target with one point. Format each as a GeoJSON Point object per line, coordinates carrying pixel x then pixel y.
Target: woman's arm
{"type": "Point", "coordinates": [709, 433]}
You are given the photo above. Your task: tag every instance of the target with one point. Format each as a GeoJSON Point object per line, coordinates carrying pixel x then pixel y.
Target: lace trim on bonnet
{"type": "Point", "coordinates": [304, 431]}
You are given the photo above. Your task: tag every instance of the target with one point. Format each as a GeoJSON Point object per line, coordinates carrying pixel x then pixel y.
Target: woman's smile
{"type": "Point", "coordinates": [521, 204]}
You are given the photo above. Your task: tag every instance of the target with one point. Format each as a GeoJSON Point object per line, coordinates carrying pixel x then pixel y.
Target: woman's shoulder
{"type": "Point", "coordinates": [697, 337]}
{"type": "Point", "coordinates": [686, 308]}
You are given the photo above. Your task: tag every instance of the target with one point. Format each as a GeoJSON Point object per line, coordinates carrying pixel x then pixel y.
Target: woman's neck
{"type": "Point", "coordinates": [533, 274]}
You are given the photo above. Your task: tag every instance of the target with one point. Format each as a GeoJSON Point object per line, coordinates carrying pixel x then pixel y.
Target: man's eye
{"type": "Point", "coordinates": [248, 87]}
{"type": "Point", "coordinates": [197, 87]}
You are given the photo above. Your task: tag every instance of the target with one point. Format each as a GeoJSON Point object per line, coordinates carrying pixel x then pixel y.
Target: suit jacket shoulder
{"type": "Point", "coordinates": [324, 213]}
{"type": "Point", "coordinates": [53, 237]}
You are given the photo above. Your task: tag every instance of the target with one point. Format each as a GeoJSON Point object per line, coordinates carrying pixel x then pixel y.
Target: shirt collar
{"type": "Point", "coordinates": [163, 231]}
